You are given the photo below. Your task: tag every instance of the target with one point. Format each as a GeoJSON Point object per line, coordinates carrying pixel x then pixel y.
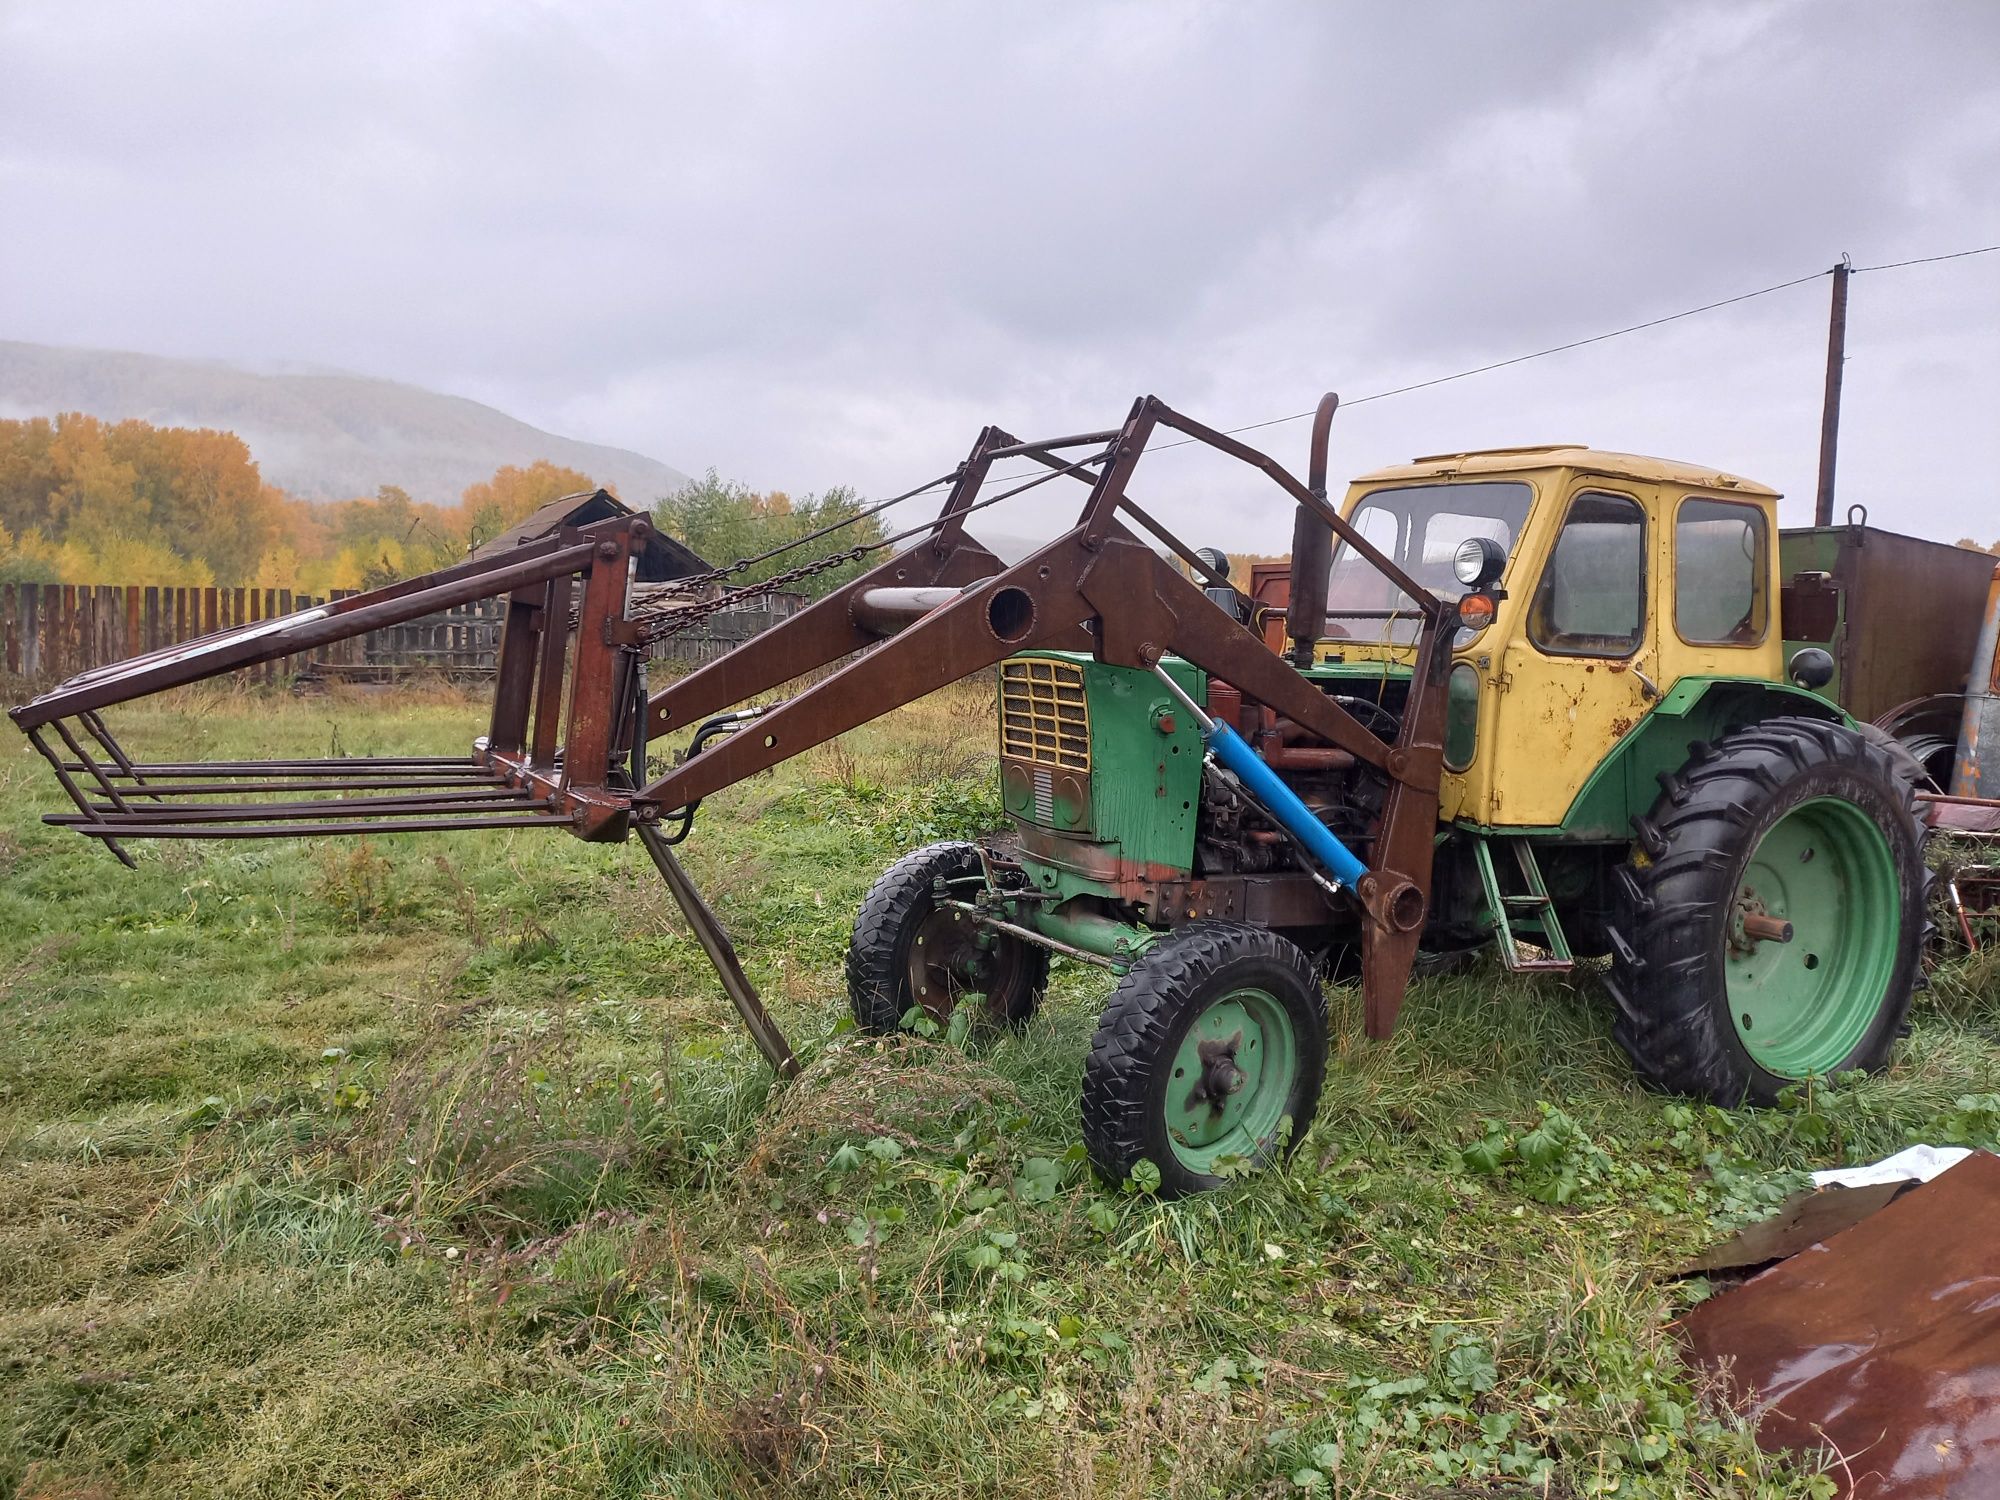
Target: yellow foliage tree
{"type": "Point", "coordinates": [86, 501]}
{"type": "Point", "coordinates": [488, 508]}
{"type": "Point", "coordinates": [123, 559]}
{"type": "Point", "coordinates": [28, 558]}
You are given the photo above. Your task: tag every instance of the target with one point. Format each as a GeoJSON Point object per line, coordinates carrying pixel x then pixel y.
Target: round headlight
{"type": "Point", "coordinates": [1469, 562]}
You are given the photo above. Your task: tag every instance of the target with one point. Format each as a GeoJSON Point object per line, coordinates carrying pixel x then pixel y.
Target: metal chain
{"type": "Point", "coordinates": [657, 622]}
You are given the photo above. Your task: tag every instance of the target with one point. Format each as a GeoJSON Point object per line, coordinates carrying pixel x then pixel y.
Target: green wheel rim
{"type": "Point", "coordinates": [1232, 1079]}
{"type": "Point", "coordinates": [1802, 1007]}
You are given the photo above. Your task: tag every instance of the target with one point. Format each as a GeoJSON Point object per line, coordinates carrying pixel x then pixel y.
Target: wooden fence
{"type": "Point", "coordinates": [55, 630]}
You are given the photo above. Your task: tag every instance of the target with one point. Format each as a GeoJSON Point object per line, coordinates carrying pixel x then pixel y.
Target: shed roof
{"type": "Point", "coordinates": [661, 558]}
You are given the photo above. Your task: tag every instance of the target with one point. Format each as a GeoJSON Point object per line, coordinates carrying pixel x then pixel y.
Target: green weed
{"type": "Point", "coordinates": [438, 1166]}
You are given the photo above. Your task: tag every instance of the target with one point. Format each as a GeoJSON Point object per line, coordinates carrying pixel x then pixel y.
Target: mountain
{"type": "Point", "coordinates": [319, 435]}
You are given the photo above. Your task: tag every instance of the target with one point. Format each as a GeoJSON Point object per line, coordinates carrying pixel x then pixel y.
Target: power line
{"type": "Point", "coordinates": [1597, 338]}
{"type": "Point", "coordinates": [1519, 359]}
{"type": "Point", "coordinates": [1925, 260]}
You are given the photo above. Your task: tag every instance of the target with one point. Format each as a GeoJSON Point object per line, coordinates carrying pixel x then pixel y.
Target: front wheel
{"type": "Point", "coordinates": [908, 951]}
{"type": "Point", "coordinates": [1770, 924]}
{"type": "Point", "coordinates": [1209, 1055]}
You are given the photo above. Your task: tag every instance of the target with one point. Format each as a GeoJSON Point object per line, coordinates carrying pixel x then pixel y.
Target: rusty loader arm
{"type": "Point", "coordinates": [566, 741]}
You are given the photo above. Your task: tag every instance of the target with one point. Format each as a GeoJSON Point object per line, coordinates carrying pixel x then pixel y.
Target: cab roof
{"type": "Point", "coordinates": [1576, 456]}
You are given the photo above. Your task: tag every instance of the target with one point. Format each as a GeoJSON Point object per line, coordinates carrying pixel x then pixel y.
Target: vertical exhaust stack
{"type": "Point", "coordinates": [1312, 548]}
{"type": "Point", "coordinates": [1976, 767]}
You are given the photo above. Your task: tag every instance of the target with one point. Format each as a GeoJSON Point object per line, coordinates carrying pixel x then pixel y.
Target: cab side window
{"type": "Point", "coordinates": [1591, 600]}
{"type": "Point", "coordinates": [1720, 561]}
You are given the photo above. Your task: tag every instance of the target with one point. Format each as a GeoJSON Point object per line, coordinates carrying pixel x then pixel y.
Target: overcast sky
{"type": "Point", "coordinates": [817, 244]}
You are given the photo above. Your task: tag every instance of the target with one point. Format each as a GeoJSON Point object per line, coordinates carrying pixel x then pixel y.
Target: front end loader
{"type": "Point", "coordinates": [1531, 700]}
{"type": "Point", "coordinates": [572, 720]}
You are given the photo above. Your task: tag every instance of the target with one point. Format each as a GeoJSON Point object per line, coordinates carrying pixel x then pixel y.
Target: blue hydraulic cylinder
{"type": "Point", "coordinates": [1283, 804]}
{"type": "Point", "coordinates": [1233, 752]}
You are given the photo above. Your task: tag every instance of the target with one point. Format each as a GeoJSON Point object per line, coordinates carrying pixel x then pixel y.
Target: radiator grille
{"type": "Point", "coordinates": [1044, 719]}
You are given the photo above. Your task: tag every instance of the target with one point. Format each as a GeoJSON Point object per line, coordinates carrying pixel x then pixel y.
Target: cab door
{"type": "Point", "coordinates": [1723, 574]}
{"type": "Point", "coordinates": [1582, 667]}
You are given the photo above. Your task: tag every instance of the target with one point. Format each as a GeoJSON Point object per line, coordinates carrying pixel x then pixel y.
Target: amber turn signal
{"type": "Point", "coordinates": [1475, 611]}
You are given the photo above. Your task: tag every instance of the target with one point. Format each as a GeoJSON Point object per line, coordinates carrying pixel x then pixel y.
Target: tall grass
{"type": "Point", "coordinates": [437, 1166]}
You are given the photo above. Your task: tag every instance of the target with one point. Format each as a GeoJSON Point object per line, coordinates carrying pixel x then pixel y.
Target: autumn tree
{"type": "Point", "coordinates": [86, 501]}
{"type": "Point", "coordinates": [202, 494]}
{"type": "Point", "coordinates": [488, 508]}
{"type": "Point", "coordinates": [725, 522]}
{"type": "Point", "coordinates": [104, 503]}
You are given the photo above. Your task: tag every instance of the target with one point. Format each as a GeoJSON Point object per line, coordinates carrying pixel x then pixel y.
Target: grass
{"type": "Point", "coordinates": [436, 1166]}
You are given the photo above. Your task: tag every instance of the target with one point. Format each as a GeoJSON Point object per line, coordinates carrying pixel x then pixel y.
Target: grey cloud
{"type": "Point", "coordinates": [813, 245]}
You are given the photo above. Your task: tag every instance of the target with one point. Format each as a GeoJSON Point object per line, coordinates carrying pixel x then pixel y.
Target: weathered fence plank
{"type": "Point", "coordinates": [51, 631]}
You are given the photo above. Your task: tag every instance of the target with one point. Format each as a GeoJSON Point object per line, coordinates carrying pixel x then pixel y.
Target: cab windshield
{"type": "Point", "coordinates": [1419, 528]}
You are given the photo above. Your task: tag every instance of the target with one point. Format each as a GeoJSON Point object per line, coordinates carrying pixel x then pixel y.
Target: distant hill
{"type": "Point", "coordinates": [316, 435]}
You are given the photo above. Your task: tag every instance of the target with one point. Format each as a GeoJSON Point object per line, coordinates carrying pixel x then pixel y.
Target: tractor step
{"type": "Point", "coordinates": [1523, 916]}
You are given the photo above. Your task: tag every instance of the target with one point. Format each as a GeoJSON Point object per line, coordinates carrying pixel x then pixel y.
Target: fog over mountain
{"type": "Point", "coordinates": [318, 434]}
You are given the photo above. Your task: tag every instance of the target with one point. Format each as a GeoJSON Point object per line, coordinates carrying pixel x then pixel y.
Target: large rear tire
{"type": "Point", "coordinates": [1206, 1049]}
{"type": "Point", "coordinates": [909, 951]}
{"type": "Point", "coordinates": [1792, 823]}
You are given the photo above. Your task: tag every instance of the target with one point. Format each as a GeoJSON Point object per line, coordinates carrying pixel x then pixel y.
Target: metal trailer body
{"type": "Point", "coordinates": [1899, 615]}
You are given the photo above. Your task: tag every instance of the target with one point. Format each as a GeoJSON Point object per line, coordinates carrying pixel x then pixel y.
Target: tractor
{"type": "Point", "coordinates": [1534, 700]}
{"type": "Point", "coordinates": [1631, 768]}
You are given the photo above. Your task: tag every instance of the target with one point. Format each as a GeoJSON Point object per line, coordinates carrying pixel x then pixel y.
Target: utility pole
{"type": "Point", "coordinates": [1829, 418]}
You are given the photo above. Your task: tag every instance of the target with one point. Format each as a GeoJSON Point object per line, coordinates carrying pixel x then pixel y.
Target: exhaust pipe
{"type": "Point", "coordinates": [1312, 548]}
{"type": "Point", "coordinates": [1976, 767]}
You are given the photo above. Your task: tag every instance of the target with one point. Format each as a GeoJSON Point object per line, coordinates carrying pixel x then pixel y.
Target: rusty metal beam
{"type": "Point", "coordinates": [254, 645]}
{"type": "Point", "coordinates": [1425, 600]}
{"type": "Point", "coordinates": [715, 942]}
{"type": "Point", "coordinates": [818, 635]}
{"type": "Point", "coordinates": [1034, 601]}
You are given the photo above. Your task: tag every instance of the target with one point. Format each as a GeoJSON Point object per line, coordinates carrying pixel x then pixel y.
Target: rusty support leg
{"type": "Point", "coordinates": [549, 676]}
{"type": "Point", "coordinates": [1408, 838]}
{"type": "Point", "coordinates": [714, 939]}
{"type": "Point", "coordinates": [514, 679]}
{"type": "Point", "coordinates": [76, 794]}
{"type": "Point", "coordinates": [103, 736]}
{"type": "Point", "coordinates": [603, 638]}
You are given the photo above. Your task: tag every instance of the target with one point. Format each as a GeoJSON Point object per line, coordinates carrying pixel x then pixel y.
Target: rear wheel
{"type": "Point", "coordinates": [907, 950]}
{"type": "Point", "coordinates": [1214, 1041]}
{"type": "Point", "coordinates": [1770, 923]}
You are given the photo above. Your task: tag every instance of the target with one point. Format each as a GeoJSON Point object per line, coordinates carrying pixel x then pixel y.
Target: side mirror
{"type": "Point", "coordinates": [1811, 668]}
{"type": "Point", "coordinates": [1224, 597]}
{"type": "Point", "coordinates": [1478, 562]}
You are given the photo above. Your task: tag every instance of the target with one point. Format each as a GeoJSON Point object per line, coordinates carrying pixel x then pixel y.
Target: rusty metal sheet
{"type": "Point", "coordinates": [1802, 1220]}
{"type": "Point", "coordinates": [1961, 814]}
{"type": "Point", "coordinates": [1881, 1343]}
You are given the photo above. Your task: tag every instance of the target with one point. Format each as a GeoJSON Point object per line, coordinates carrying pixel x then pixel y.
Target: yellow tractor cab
{"type": "Point", "coordinates": [1625, 577]}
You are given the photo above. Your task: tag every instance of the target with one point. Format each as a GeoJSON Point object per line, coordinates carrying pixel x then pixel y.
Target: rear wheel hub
{"type": "Point", "coordinates": [1802, 1006]}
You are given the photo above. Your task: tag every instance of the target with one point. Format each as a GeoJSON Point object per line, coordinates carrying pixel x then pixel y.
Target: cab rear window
{"type": "Point", "coordinates": [1720, 556]}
